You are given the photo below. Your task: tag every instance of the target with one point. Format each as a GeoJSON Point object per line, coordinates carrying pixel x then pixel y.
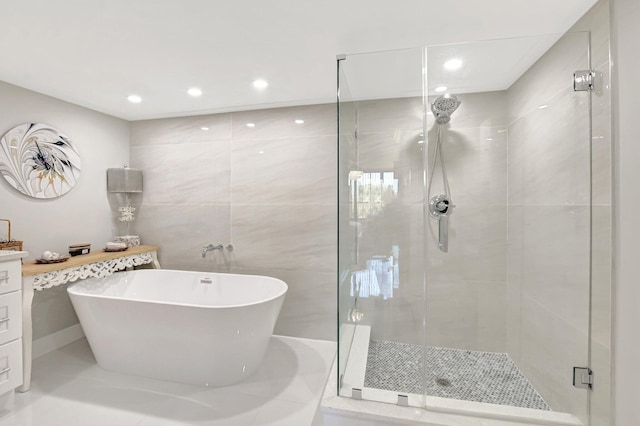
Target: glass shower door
{"type": "Point", "coordinates": [464, 229]}
{"type": "Point", "coordinates": [508, 302]}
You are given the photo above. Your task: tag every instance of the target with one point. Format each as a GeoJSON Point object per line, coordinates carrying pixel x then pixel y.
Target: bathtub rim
{"type": "Point", "coordinates": [282, 293]}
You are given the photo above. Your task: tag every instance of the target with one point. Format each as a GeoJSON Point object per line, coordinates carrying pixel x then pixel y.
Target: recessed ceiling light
{"type": "Point", "coordinates": [453, 64]}
{"type": "Point", "coordinates": [134, 99]}
{"type": "Point", "coordinates": [441, 89]}
{"type": "Point", "coordinates": [251, 125]}
{"type": "Point", "coordinates": [260, 84]}
{"type": "Point", "coordinates": [195, 92]}
{"type": "Point", "coordinates": [299, 121]}
{"type": "Point", "coordinates": [260, 152]}
{"type": "Point", "coordinates": [204, 128]}
{"type": "Point", "coordinates": [543, 106]}
{"type": "Point", "coordinates": [420, 141]}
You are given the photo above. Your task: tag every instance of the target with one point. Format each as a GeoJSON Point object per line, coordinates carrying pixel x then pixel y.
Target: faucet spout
{"type": "Point", "coordinates": [210, 247]}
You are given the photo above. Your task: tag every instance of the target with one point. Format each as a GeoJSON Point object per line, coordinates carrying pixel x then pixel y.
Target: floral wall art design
{"type": "Point", "coordinates": [39, 160]}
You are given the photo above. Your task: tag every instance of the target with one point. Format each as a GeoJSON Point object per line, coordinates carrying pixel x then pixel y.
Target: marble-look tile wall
{"type": "Point", "coordinates": [466, 287]}
{"type": "Point", "coordinates": [559, 245]}
{"type": "Point", "coordinates": [268, 189]}
{"type": "Point", "coordinates": [388, 138]}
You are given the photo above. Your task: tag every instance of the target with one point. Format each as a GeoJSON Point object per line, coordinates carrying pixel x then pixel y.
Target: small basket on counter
{"type": "Point", "coordinates": [9, 243]}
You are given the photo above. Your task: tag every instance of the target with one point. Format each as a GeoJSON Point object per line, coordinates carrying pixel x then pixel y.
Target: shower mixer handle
{"type": "Point", "coordinates": [442, 206]}
{"type": "Point", "coordinates": [443, 233]}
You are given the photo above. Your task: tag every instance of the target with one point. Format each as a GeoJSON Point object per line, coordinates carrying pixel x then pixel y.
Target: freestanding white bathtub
{"type": "Point", "coordinates": [191, 327]}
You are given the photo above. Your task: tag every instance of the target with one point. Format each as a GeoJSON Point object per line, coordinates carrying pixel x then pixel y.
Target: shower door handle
{"type": "Point", "coordinates": [443, 233]}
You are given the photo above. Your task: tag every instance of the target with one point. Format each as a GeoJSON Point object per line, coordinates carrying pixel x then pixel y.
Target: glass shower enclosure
{"type": "Point", "coordinates": [464, 226]}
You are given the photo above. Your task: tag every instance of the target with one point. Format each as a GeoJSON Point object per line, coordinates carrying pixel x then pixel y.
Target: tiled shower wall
{"type": "Point", "coordinates": [387, 141]}
{"type": "Point", "coordinates": [268, 189]}
{"type": "Point", "coordinates": [466, 287]}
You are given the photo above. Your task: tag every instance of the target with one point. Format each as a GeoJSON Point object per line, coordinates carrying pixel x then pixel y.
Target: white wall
{"type": "Point", "coordinates": [81, 215]}
{"type": "Point", "coordinates": [626, 106]}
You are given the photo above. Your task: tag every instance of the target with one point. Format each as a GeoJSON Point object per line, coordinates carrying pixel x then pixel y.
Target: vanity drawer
{"type": "Point", "coordinates": [10, 366]}
{"type": "Point", "coordinates": [10, 316]}
{"type": "Point", "coordinates": [10, 276]}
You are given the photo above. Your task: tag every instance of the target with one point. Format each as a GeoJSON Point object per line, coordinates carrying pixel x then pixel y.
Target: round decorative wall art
{"type": "Point", "coordinates": [39, 160]}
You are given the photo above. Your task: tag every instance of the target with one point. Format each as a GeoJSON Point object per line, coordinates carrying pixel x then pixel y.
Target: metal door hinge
{"type": "Point", "coordinates": [583, 80]}
{"type": "Point", "coordinates": [582, 378]}
{"type": "Point", "coordinates": [403, 400]}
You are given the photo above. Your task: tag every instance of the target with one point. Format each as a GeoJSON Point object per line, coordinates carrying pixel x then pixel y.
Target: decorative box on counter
{"type": "Point", "coordinates": [79, 249]}
{"type": "Point", "coordinates": [129, 240]}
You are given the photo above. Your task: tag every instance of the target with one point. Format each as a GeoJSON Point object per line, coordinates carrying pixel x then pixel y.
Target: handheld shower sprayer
{"type": "Point", "coordinates": [440, 206]}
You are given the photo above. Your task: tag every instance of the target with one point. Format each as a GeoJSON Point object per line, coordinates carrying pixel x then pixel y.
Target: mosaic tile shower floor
{"type": "Point", "coordinates": [451, 373]}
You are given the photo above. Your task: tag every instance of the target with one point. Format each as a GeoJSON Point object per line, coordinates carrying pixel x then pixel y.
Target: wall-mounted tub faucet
{"type": "Point", "coordinates": [212, 247]}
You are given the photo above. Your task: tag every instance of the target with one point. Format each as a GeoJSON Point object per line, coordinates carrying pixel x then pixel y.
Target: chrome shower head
{"type": "Point", "coordinates": [443, 107]}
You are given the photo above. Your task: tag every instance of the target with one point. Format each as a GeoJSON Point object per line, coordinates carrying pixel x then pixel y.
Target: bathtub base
{"type": "Point", "coordinates": [191, 373]}
{"type": "Point", "coordinates": [182, 345]}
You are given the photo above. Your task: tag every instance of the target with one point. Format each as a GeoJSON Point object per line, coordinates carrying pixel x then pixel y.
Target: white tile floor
{"type": "Point", "coordinates": [68, 388]}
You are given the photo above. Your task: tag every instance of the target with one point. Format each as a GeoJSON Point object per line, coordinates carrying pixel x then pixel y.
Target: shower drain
{"type": "Point", "coordinates": [443, 382]}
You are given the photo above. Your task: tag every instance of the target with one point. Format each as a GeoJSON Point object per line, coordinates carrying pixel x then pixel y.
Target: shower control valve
{"type": "Point", "coordinates": [440, 205]}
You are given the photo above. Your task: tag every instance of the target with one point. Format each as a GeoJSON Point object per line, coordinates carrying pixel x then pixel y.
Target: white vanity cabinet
{"type": "Point", "coordinates": [10, 326]}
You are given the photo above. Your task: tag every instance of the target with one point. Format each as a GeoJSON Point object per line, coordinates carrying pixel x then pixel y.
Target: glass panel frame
{"type": "Point", "coordinates": [460, 295]}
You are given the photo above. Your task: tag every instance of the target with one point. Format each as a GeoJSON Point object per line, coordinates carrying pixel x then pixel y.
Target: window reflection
{"type": "Point", "coordinates": [371, 192]}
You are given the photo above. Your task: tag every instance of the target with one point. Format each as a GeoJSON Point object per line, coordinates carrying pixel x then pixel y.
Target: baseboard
{"type": "Point", "coordinates": [56, 340]}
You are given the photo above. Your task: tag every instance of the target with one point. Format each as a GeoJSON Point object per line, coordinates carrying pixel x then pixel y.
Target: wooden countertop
{"type": "Point", "coordinates": [33, 268]}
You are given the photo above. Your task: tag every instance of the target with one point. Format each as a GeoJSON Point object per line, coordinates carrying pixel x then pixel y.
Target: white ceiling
{"type": "Point", "coordinates": [96, 52]}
